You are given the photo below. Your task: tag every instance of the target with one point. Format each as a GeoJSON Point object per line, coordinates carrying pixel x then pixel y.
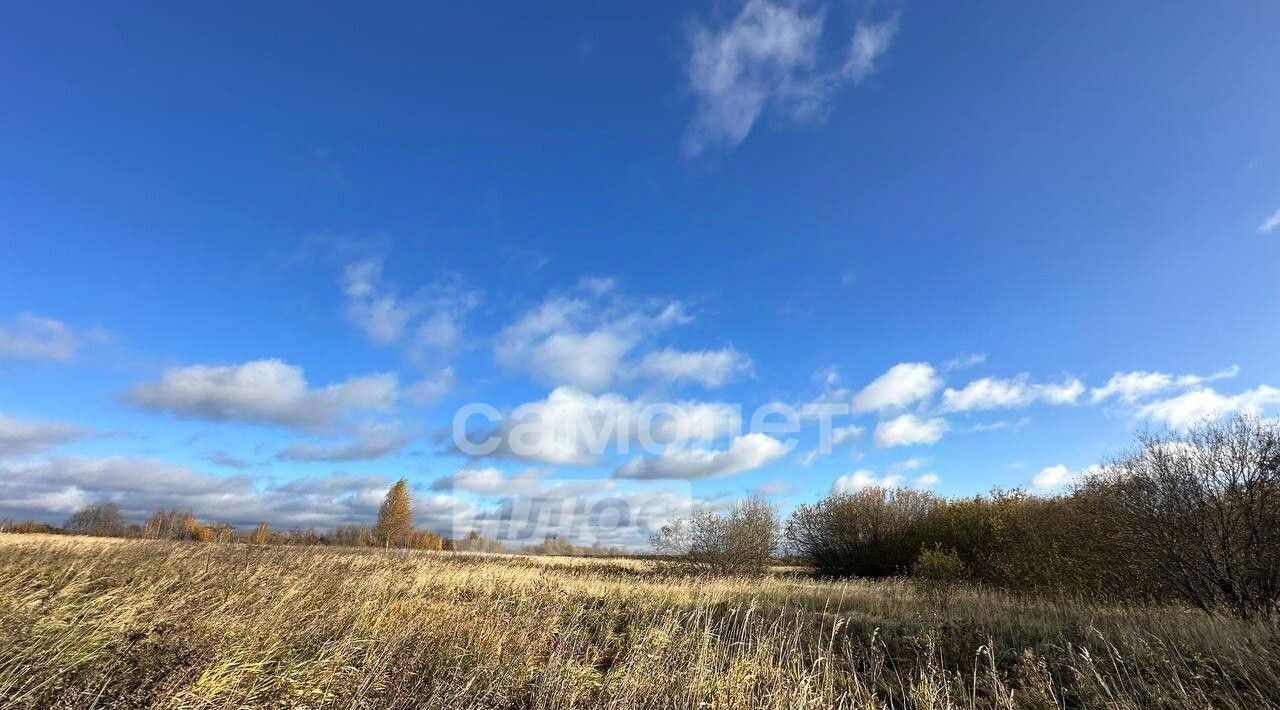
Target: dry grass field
{"type": "Point", "coordinates": [88, 622]}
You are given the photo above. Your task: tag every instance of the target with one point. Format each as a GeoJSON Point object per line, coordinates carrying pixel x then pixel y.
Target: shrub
{"type": "Point", "coordinates": [102, 519]}
{"type": "Point", "coordinates": [1201, 509]}
{"type": "Point", "coordinates": [874, 532]}
{"type": "Point", "coordinates": [741, 541]}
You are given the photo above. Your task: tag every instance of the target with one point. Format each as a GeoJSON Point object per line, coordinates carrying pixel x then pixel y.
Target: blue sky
{"type": "Point", "coordinates": [254, 259]}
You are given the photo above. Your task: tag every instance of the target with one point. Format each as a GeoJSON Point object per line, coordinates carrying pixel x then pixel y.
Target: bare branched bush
{"type": "Point", "coordinates": [1202, 508]}
{"type": "Point", "coordinates": [741, 541]}
{"type": "Point", "coordinates": [102, 519]}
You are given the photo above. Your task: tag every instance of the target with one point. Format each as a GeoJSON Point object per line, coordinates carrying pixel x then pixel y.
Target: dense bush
{"type": "Point", "coordinates": [1192, 516]}
{"type": "Point", "coordinates": [874, 532]}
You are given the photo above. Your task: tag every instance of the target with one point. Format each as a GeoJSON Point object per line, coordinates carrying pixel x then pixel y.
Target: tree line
{"type": "Point", "coordinates": [394, 529]}
{"type": "Point", "coordinates": [1190, 517]}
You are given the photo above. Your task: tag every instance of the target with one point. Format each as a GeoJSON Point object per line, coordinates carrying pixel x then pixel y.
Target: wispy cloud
{"type": "Point", "coordinates": [870, 42]}
{"type": "Point", "coordinates": [1270, 223]}
{"type": "Point", "coordinates": [29, 336]}
{"type": "Point", "coordinates": [25, 436]}
{"type": "Point", "coordinates": [768, 57]}
{"type": "Point", "coordinates": [432, 316]}
{"type": "Point", "coordinates": [368, 441]}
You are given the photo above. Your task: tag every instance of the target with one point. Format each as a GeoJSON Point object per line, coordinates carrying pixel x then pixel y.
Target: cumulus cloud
{"type": "Point", "coordinates": [865, 478]}
{"type": "Point", "coordinates": [995, 393]}
{"type": "Point", "coordinates": [1204, 403]}
{"type": "Point", "coordinates": [28, 336]}
{"type": "Point", "coordinates": [571, 426]}
{"type": "Point", "coordinates": [745, 453]}
{"type": "Point", "coordinates": [1270, 223]}
{"type": "Point", "coordinates": [902, 385]}
{"type": "Point", "coordinates": [579, 341]}
{"type": "Point", "coordinates": [368, 441]}
{"type": "Point", "coordinates": [1133, 386]}
{"type": "Point", "coordinates": [594, 338]}
{"type": "Point", "coordinates": [709, 368]}
{"type": "Point", "coordinates": [1056, 477]}
{"type": "Point", "coordinates": [767, 57]}
{"type": "Point", "coordinates": [262, 391]}
{"type": "Point", "coordinates": [24, 436]}
{"type": "Point", "coordinates": [908, 429]}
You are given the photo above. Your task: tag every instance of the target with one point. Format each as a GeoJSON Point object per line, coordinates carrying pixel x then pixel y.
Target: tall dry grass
{"type": "Point", "coordinates": [130, 623]}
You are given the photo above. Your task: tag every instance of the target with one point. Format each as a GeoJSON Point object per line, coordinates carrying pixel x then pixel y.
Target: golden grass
{"type": "Point", "coordinates": [88, 622]}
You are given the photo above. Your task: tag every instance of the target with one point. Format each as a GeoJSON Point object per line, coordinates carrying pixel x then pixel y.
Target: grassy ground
{"type": "Point", "coordinates": [112, 623]}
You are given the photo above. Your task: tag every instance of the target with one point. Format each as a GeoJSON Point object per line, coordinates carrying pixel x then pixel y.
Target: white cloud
{"type": "Point", "coordinates": [590, 342]}
{"type": "Point", "coordinates": [1055, 477]}
{"type": "Point", "coordinates": [18, 436]}
{"type": "Point", "coordinates": [894, 478]}
{"type": "Point", "coordinates": [995, 393]}
{"type": "Point", "coordinates": [870, 42]}
{"type": "Point", "coordinates": [28, 336]}
{"type": "Point", "coordinates": [1270, 223]}
{"type": "Point", "coordinates": [371, 306]}
{"type": "Point", "coordinates": [863, 478]}
{"type": "Point", "coordinates": [263, 391]}
{"type": "Point", "coordinates": [369, 441]}
{"type": "Point", "coordinates": [767, 58]}
{"type": "Point", "coordinates": [1133, 386]}
{"type": "Point", "coordinates": [378, 309]}
{"type": "Point", "coordinates": [474, 480]}
{"type": "Point", "coordinates": [709, 368]}
{"type": "Point", "coordinates": [908, 429]}
{"type": "Point", "coordinates": [902, 385]}
{"type": "Point", "coordinates": [964, 361]}
{"type": "Point", "coordinates": [1052, 477]}
{"type": "Point", "coordinates": [842, 434]}
{"type": "Point", "coordinates": [745, 453]}
{"type": "Point", "coordinates": [598, 285]}
{"type": "Point", "coordinates": [925, 480]}
{"type": "Point", "coordinates": [910, 464]}
{"type": "Point", "coordinates": [1197, 405]}
{"type": "Point", "coordinates": [999, 425]}
{"type": "Point", "coordinates": [571, 426]}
